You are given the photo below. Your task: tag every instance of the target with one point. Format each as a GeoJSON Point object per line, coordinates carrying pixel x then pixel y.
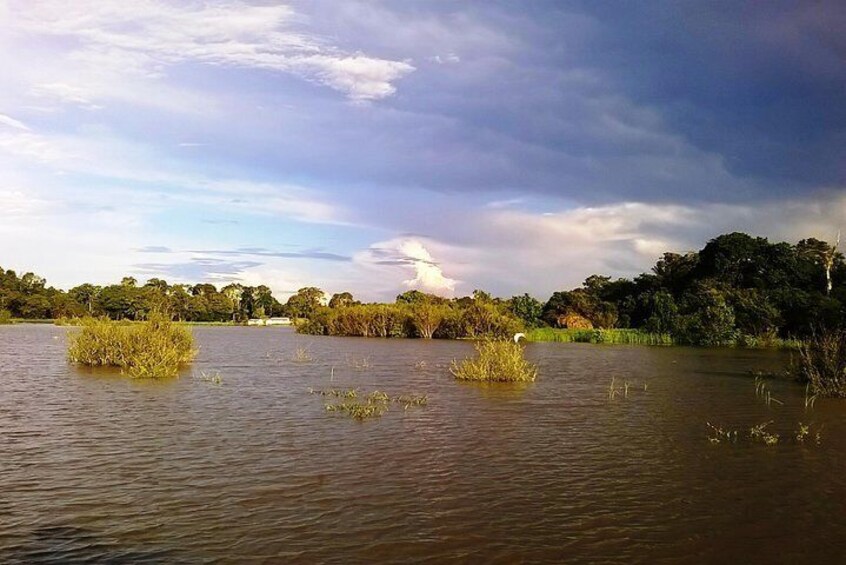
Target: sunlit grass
{"type": "Point", "coordinates": [496, 361]}
{"type": "Point", "coordinates": [156, 348]}
{"type": "Point", "coordinates": [608, 336]}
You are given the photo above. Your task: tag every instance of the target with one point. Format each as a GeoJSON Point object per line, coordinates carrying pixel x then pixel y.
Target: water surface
{"type": "Point", "coordinates": [95, 467]}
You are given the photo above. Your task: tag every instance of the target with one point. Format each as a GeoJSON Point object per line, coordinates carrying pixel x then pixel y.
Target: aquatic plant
{"type": "Point", "coordinates": [156, 348]}
{"type": "Point", "coordinates": [822, 363]}
{"type": "Point", "coordinates": [720, 435]}
{"type": "Point", "coordinates": [759, 433]}
{"type": "Point", "coordinates": [606, 336]}
{"type": "Point", "coordinates": [810, 399]}
{"type": "Point", "coordinates": [497, 361]}
{"type": "Point", "coordinates": [301, 355]}
{"type": "Point", "coordinates": [5, 317]}
{"type": "Point", "coordinates": [210, 377]}
{"type": "Point", "coordinates": [359, 363]}
{"type": "Point", "coordinates": [762, 391]}
{"type": "Point", "coordinates": [364, 406]}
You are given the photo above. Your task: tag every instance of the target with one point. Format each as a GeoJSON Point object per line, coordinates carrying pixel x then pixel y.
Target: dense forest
{"type": "Point", "coordinates": [738, 288]}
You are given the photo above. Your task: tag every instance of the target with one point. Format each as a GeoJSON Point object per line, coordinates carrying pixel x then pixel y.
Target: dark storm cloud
{"type": "Point", "coordinates": [587, 101]}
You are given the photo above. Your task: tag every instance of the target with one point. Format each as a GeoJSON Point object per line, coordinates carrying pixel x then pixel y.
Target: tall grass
{"type": "Point", "coordinates": [822, 363]}
{"type": "Point", "coordinates": [156, 348]}
{"type": "Point", "coordinates": [497, 361]}
{"type": "Point", "coordinates": [5, 317]}
{"type": "Point", "coordinates": [610, 336]}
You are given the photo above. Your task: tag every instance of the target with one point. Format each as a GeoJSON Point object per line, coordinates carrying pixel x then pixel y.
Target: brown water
{"type": "Point", "coordinates": [95, 467]}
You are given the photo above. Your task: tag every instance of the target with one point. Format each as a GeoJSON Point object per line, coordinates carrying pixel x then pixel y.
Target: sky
{"type": "Point", "coordinates": [375, 147]}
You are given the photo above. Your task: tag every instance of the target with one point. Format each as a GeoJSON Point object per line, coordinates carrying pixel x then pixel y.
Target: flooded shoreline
{"type": "Point", "coordinates": [253, 468]}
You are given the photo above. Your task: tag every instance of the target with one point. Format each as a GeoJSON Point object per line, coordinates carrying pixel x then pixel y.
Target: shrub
{"type": "Point", "coordinates": [822, 363]}
{"type": "Point", "coordinates": [497, 361]}
{"type": "Point", "coordinates": [156, 348]}
{"type": "Point", "coordinates": [5, 317]}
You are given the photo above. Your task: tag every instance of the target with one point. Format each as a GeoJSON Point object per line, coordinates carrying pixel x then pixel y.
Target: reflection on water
{"type": "Point", "coordinates": [98, 468]}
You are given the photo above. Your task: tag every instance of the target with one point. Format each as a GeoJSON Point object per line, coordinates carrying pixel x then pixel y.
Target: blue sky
{"type": "Point", "coordinates": [380, 146]}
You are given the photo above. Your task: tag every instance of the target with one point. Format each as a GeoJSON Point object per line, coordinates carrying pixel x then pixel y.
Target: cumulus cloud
{"type": "Point", "coordinates": [149, 38]}
{"type": "Point", "coordinates": [402, 257]}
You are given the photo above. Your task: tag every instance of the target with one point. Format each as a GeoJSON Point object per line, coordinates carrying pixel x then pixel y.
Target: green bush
{"type": "Point", "coordinates": [822, 363]}
{"type": "Point", "coordinates": [156, 348]}
{"type": "Point", "coordinates": [5, 317]}
{"type": "Point", "coordinates": [497, 361]}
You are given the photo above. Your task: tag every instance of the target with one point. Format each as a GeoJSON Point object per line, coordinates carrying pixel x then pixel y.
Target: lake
{"type": "Point", "coordinates": [96, 467]}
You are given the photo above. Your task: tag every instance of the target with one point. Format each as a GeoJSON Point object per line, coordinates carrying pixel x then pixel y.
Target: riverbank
{"type": "Point", "coordinates": [619, 336]}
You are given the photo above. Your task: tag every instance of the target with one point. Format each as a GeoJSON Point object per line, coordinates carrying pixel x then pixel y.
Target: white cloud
{"type": "Point", "coordinates": [392, 262]}
{"type": "Point", "coordinates": [11, 122]}
{"type": "Point", "coordinates": [148, 38]}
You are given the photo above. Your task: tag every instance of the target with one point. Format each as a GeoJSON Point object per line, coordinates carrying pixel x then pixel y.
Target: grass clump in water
{"type": "Point", "coordinates": [5, 317]}
{"type": "Point", "coordinates": [156, 348]}
{"type": "Point", "coordinates": [365, 406]}
{"type": "Point", "coordinates": [822, 364]}
{"type": "Point", "coordinates": [497, 361]}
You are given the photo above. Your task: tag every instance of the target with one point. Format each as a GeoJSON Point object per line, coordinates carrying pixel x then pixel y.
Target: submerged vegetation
{"type": "Point", "coordinates": [496, 361]}
{"type": "Point", "coordinates": [363, 406]}
{"type": "Point", "coordinates": [156, 348]}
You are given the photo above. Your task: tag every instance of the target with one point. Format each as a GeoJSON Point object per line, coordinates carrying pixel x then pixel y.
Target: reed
{"type": "Point", "coordinates": [822, 363]}
{"type": "Point", "coordinates": [301, 355]}
{"type": "Point", "coordinates": [606, 336]}
{"type": "Point", "coordinates": [497, 361]}
{"type": "Point", "coordinates": [5, 317]}
{"type": "Point", "coordinates": [156, 348]}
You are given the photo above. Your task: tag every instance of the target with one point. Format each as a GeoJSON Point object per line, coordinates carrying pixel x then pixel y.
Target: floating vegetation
{"type": "Point", "coordinates": [359, 363]}
{"type": "Point", "coordinates": [420, 366]}
{"type": "Point", "coordinates": [366, 405]}
{"type": "Point", "coordinates": [301, 355]}
{"type": "Point", "coordinates": [497, 361]}
{"type": "Point", "coordinates": [720, 435]}
{"type": "Point", "coordinates": [760, 434]}
{"type": "Point", "coordinates": [156, 348]}
{"type": "Point", "coordinates": [210, 377]}
{"type": "Point", "coordinates": [804, 432]}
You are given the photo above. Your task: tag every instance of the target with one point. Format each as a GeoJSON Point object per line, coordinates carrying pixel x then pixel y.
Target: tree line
{"type": "Point", "coordinates": [736, 289]}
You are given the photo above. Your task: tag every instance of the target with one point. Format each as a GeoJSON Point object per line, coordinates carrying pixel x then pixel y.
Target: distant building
{"type": "Point", "coordinates": [277, 321]}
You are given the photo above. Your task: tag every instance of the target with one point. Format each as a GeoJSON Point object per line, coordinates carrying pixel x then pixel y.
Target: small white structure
{"type": "Point", "coordinates": [278, 321]}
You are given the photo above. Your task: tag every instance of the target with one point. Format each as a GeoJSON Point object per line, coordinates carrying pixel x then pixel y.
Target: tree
{"type": "Point", "coordinates": [426, 317]}
{"type": "Point", "coordinates": [527, 309]}
{"type": "Point", "coordinates": [341, 300]}
{"type": "Point", "coordinates": [86, 295]}
{"type": "Point", "coordinates": [305, 302]}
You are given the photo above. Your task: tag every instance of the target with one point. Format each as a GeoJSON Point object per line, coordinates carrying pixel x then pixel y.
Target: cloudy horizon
{"type": "Point", "coordinates": [374, 147]}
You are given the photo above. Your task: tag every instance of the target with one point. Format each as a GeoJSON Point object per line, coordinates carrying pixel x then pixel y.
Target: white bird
{"type": "Point", "coordinates": [518, 336]}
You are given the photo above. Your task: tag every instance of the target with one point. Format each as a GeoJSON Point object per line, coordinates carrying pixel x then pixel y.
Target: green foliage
{"type": "Point", "coordinates": [527, 309]}
{"type": "Point", "coordinates": [156, 348]}
{"type": "Point", "coordinates": [614, 336]}
{"type": "Point", "coordinates": [5, 317]}
{"type": "Point", "coordinates": [822, 363]}
{"type": "Point", "coordinates": [497, 361]}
